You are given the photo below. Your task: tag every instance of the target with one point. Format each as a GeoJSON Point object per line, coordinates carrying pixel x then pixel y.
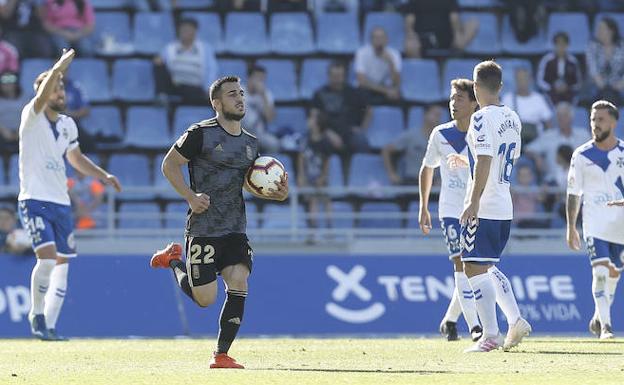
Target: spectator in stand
{"type": "Point", "coordinates": [13, 240]}
{"type": "Point", "coordinates": [543, 150]}
{"type": "Point", "coordinates": [86, 194]}
{"type": "Point", "coordinates": [260, 110]}
{"type": "Point", "coordinates": [605, 63]}
{"type": "Point", "coordinates": [313, 171]}
{"type": "Point", "coordinates": [288, 6]}
{"type": "Point", "coordinates": [412, 145]}
{"type": "Point", "coordinates": [559, 73]}
{"type": "Point", "coordinates": [527, 198]}
{"type": "Point", "coordinates": [378, 69]}
{"type": "Point", "coordinates": [11, 107]}
{"type": "Point", "coordinates": [22, 27]}
{"type": "Point", "coordinates": [531, 106]}
{"type": "Point", "coordinates": [427, 27]}
{"type": "Point", "coordinates": [9, 57]}
{"type": "Point", "coordinates": [186, 67]}
{"type": "Point", "coordinates": [339, 115]}
{"type": "Point", "coordinates": [336, 6]}
{"type": "Point", "coordinates": [240, 5]}
{"type": "Point", "coordinates": [526, 17]}
{"type": "Point", "coordinates": [70, 23]}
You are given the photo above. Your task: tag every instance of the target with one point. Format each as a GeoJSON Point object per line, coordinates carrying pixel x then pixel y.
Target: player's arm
{"type": "Point", "coordinates": [50, 82]}
{"type": "Point", "coordinates": [172, 170]}
{"type": "Point", "coordinates": [425, 180]}
{"type": "Point", "coordinates": [386, 153]}
{"type": "Point", "coordinates": [573, 202]}
{"type": "Point", "coordinates": [480, 177]}
{"type": "Point", "coordinates": [82, 163]}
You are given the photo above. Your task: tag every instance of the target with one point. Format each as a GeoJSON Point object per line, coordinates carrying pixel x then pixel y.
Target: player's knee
{"type": "Point", "coordinates": [458, 264]}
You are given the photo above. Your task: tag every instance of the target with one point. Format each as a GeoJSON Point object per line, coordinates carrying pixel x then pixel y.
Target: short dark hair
{"type": "Point", "coordinates": [565, 152]}
{"type": "Point", "coordinates": [489, 74]}
{"type": "Point", "coordinates": [256, 68]}
{"type": "Point", "coordinates": [336, 64]}
{"type": "Point", "coordinates": [188, 20]}
{"type": "Point", "coordinates": [613, 27]}
{"type": "Point", "coordinates": [607, 105]}
{"type": "Point", "coordinates": [561, 35]}
{"type": "Point", "coordinates": [215, 87]}
{"type": "Point", "coordinates": [464, 85]}
{"type": "Point", "coordinates": [40, 79]}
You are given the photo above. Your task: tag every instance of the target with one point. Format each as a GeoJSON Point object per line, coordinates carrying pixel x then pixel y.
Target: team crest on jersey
{"type": "Point", "coordinates": [249, 153]}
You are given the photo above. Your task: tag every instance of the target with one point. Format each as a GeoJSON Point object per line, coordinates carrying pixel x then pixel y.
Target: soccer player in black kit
{"type": "Point", "coordinates": [218, 153]}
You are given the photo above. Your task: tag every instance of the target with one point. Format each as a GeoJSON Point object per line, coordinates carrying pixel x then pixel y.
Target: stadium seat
{"type": "Point", "coordinates": [104, 121]}
{"type": "Point", "coordinates": [487, 39]}
{"type": "Point", "coordinates": [139, 216]}
{"type": "Point", "coordinates": [289, 121]}
{"type": "Point", "coordinates": [291, 34]}
{"type": "Point", "coordinates": [186, 115]}
{"type": "Point", "coordinates": [13, 172]}
{"type": "Point", "coordinates": [509, 72]}
{"type": "Point", "coordinates": [109, 4]}
{"type": "Point", "coordinates": [386, 125]}
{"type": "Point", "coordinates": [575, 24]}
{"type": "Point", "coordinates": [280, 216]}
{"type": "Point", "coordinates": [479, 3]}
{"type": "Point", "coordinates": [133, 80]}
{"type": "Point", "coordinates": [535, 45]}
{"type": "Point", "coordinates": [133, 171]}
{"type": "Point", "coordinates": [313, 76]}
{"type": "Point", "coordinates": [281, 79]}
{"type": "Point", "coordinates": [352, 6]}
{"type": "Point", "coordinates": [3, 175]}
{"type": "Point", "coordinates": [457, 68]}
{"type": "Point", "coordinates": [581, 118]}
{"type": "Point", "coordinates": [367, 173]}
{"type": "Point", "coordinates": [420, 80]}
{"type": "Point", "coordinates": [248, 40]}
{"type": "Point", "coordinates": [337, 33]}
{"type": "Point", "coordinates": [415, 117]}
{"type": "Point", "coordinates": [31, 68]}
{"type": "Point", "coordinates": [194, 4]}
{"type": "Point", "coordinates": [343, 216]}
{"type": "Point", "coordinates": [412, 221]}
{"type": "Point", "coordinates": [116, 27]}
{"type": "Point", "coordinates": [391, 22]}
{"type": "Point", "coordinates": [146, 127]}
{"type": "Point", "coordinates": [92, 76]}
{"type": "Point", "coordinates": [335, 178]}
{"type": "Point", "coordinates": [383, 215]}
{"type": "Point", "coordinates": [209, 28]}
{"type": "Point", "coordinates": [152, 32]}
{"type": "Point", "coordinates": [617, 17]}
{"type": "Point", "coordinates": [233, 67]}
{"type": "Point", "coordinates": [175, 215]}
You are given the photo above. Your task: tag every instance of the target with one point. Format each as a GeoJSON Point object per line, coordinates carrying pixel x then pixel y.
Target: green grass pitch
{"type": "Point", "coordinates": [540, 361]}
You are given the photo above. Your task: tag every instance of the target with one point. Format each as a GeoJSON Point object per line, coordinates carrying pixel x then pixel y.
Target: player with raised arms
{"type": "Point", "coordinates": [446, 139]}
{"type": "Point", "coordinates": [218, 153]}
{"type": "Point", "coordinates": [493, 146]}
{"type": "Point", "coordinates": [597, 175]}
{"type": "Point", "coordinates": [45, 137]}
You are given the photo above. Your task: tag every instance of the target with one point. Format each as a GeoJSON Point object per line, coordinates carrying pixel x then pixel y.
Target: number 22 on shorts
{"type": "Point", "coordinates": [196, 254]}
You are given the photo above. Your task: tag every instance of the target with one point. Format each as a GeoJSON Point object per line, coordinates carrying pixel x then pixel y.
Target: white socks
{"type": "Point", "coordinates": [504, 295]}
{"type": "Point", "coordinates": [466, 299]}
{"type": "Point", "coordinates": [39, 282]}
{"type": "Point", "coordinates": [56, 294]}
{"type": "Point", "coordinates": [611, 286]}
{"type": "Point", "coordinates": [454, 309]}
{"type": "Point", "coordinates": [601, 300]}
{"type": "Point", "coordinates": [485, 301]}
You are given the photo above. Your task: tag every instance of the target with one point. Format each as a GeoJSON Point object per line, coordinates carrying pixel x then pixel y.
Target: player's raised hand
{"type": "Point", "coordinates": [616, 203]}
{"type": "Point", "coordinates": [424, 220]}
{"type": "Point", "coordinates": [65, 60]}
{"type": "Point", "coordinates": [111, 180]}
{"type": "Point", "coordinates": [573, 238]}
{"type": "Point", "coordinates": [281, 193]}
{"type": "Point", "coordinates": [455, 161]}
{"type": "Point", "coordinates": [199, 203]}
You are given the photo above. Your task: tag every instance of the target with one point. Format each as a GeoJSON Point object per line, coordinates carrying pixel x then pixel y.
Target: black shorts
{"type": "Point", "coordinates": [207, 256]}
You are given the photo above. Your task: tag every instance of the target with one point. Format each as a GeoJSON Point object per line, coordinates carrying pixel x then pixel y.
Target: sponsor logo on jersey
{"type": "Point", "coordinates": [481, 138]}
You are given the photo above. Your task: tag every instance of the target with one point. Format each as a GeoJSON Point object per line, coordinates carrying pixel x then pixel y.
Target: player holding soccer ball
{"type": "Point", "coordinates": [218, 152]}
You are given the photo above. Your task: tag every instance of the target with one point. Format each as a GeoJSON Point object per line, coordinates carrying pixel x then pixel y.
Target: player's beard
{"type": "Point", "coordinates": [602, 136]}
{"type": "Point", "coordinates": [233, 116]}
{"type": "Point", "coordinates": [57, 106]}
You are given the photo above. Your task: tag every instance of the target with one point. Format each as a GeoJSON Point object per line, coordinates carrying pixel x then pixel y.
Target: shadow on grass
{"type": "Point", "coordinates": [330, 370]}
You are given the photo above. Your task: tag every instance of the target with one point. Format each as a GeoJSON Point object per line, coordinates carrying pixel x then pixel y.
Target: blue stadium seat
{"type": "Point", "coordinates": [186, 115]}
{"type": "Point", "coordinates": [575, 24]}
{"type": "Point", "coordinates": [289, 120]}
{"type": "Point", "coordinates": [133, 171]}
{"type": "Point", "coordinates": [535, 45]}
{"type": "Point", "coordinates": [420, 80]}
{"type": "Point", "coordinates": [457, 68]}
{"type": "Point", "coordinates": [313, 76]}
{"type": "Point", "coordinates": [112, 24]}
{"type": "Point", "coordinates": [390, 21]}
{"type": "Point", "coordinates": [13, 173]}
{"type": "Point", "coordinates": [367, 173]}
{"type": "Point", "coordinates": [175, 215]}
{"type": "Point", "coordinates": [92, 75]}
{"type": "Point", "coordinates": [479, 3]}
{"type": "Point", "coordinates": [209, 28]}
{"type": "Point", "coordinates": [251, 211]}
{"type": "Point", "coordinates": [236, 67]}
{"type": "Point", "coordinates": [194, 4]}
{"type": "Point", "coordinates": [487, 39]}
{"type": "Point", "coordinates": [146, 127]}
{"type": "Point", "coordinates": [153, 31]}
{"type": "Point", "coordinates": [133, 80]}
{"type": "Point", "coordinates": [278, 216]}
{"type": "Point", "coordinates": [291, 34]}
{"type": "Point", "coordinates": [509, 72]}
{"type": "Point", "coordinates": [352, 6]}
{"type": "Point", "coordinates": [281, 79]}
{"type": "Point", "coordinates": [343, 215]}
{"type": "Point", "coordinates": [581, 118]}
{"type": "Point", "coordinates": [415, 117]}
{"type": "Point", "coordinates": [245, 34]}
{"type": "Point", "coordinates": [382, 215]}
{"type": "Point", "coordinates": [104, 121]}
{"type": "Point", "coordinates": [139, 216]}
{"type": "Point", "coordinates": [412, 221]}
{"type": "Point", "coordinates": [31, 68]}
{"type": "Point", "coordinates": [3, 176]}
{"type": "Point", "coordinates": [337, 33]}
{"type": "Point", "coordinates": [387, 124]}
{"type": "Point", "coordinates": [618, 17]}
{"type": "Point", "coordinates": [336, 176]}
{"type": "Point", "coordinates": [109, 4]}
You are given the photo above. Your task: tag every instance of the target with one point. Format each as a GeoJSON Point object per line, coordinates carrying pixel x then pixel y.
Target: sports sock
{"type": "Point", "coordinates": [179, 270]}
{"type": "Point", "coordinates": [56, 294]}
{"type": "Point", "coordinates": [599, 283]}
{"type": "Point", "coordinates": [466, 299]}
{"type": "Point", "coordinates": [505, 296]}
{"type": "Point", "coordinates": [485, 302]}
{"type": "Point", "coordinates": [231, 318]}
{"type": "Point", "coordinates": [39, 282]}
{"type": "Point", "coordinates": [611, 286]}
{"type": "Point", "coordinates": [454, 308]}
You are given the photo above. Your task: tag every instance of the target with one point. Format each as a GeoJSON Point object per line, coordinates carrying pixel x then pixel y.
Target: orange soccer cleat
{"type": "Point", "coordinates": [223, 361]}
{"type": "Point", "coordinates": [162, 257]}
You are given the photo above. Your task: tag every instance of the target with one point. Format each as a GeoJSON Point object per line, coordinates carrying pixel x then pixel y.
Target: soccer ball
{"type": "Point", "coordinates": [263, 174]}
